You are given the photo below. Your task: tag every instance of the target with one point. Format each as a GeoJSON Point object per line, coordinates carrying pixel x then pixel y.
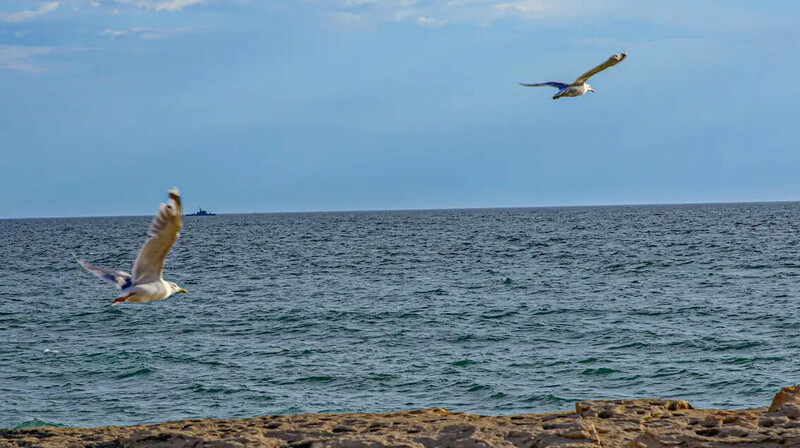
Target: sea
{"type": "Point", "coordinates": [486, 311]}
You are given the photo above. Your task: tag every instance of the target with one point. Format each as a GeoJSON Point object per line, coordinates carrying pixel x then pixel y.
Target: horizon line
{"type": "Point", "coordinates": [505, 207]}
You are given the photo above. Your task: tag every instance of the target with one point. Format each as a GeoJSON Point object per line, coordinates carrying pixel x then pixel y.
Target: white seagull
{"type": "Point", "coordinates": [146, 284]}
{"type": "Point", "coordinates": [579, 87]}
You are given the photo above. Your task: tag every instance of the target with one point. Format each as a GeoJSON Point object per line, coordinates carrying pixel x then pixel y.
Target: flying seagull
{"type": "Point", "coordinates": [579, 87]}
{"type": "Point", "coordinates": [146, 283]}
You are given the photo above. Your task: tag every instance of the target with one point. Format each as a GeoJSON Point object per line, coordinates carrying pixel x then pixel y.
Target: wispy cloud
{"type": "Point", "coordinates": [115, 33]}
{"type": "Point", "coordinates": [26, 58]}
{"type": "Point", "coordinates": [439, 12]}
{"type": "Point", "coordinates": [18, 57]}
{"type": "Point", "coordinates": [148, 33]}
{"type": "Point", "coordinates": [30, 14]}
{"type": "Point", "coordinates": [161, 5]}
{"type": "Point", "coordinates": [349, 20]}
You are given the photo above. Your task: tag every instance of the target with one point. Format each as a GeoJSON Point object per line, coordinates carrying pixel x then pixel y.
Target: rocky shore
{"type": "Point", "coordinates": [644, 423]}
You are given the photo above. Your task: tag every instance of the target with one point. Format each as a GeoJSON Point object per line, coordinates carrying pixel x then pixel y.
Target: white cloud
{"type": "Point", "coordinates": [430, 21]}
{"type": "Point", "coordinates": [17, 57]}
{"type": "Point", "coordinates": [161, 5]}
{"type": "Point", "coordinates": [22, 16]}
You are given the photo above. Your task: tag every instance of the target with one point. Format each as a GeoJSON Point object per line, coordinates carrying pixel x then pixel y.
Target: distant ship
{"type": "Point", "coordinates": [201, 212]}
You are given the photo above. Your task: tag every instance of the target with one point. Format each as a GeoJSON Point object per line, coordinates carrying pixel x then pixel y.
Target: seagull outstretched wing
{"type": "Point", "coordinates": [612, 61]}
{"type": "Point", "coordinates": [557, 85]}
{"type": "Point", "coordinates": [164, 231]}
{"type": "Point", "coordinates": [120, 278]}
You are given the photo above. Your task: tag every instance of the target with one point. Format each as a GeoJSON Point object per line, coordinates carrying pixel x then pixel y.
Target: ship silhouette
{"type": "Point", "coordinates": [201, 212]}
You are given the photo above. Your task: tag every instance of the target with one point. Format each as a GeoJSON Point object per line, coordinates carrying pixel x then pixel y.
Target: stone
{"type": "Point", "coordinates": [786, 395]}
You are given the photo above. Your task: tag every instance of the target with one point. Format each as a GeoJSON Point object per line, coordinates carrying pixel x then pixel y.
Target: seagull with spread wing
{"type": "Point", "coordinates": [146, 283]}
{"type": "Point", "coordinates": [579, 87]}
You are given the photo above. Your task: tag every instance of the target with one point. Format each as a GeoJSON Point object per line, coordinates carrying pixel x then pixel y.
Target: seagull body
{"type": "Point", "coordinates": [580, 86]}
{"type": "Point", "coordinates": [146, 284]}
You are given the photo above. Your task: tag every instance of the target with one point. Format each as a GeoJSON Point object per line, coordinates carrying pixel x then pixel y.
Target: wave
{"type": "Point", "coordinates": [630, 345]}
{"type": "Point", "coordinates": [315, 379]}
{"type": "Point", "coordinates": [547, 399]}
{"type": "Point", "coordinates": [139, 372]}
{"type": "Point", "coordinates": [600, 371]}
{"type": "Point", "coordinates": [668, 372]}
{"type": "Point", "coordinates": [462, 363]}
{"type": "Point", "coordinates": [36, 423]}
{"type": "Point", "coordinates": [436, 292]}
{"type": "Point", "coordinates": [737, 346]}
{"type": "Point", "coordinates": [216, 389]}
{"type": "Point", "coordinates": [755, 359]}
{"type": "Point", "coordinates": [498, 315]}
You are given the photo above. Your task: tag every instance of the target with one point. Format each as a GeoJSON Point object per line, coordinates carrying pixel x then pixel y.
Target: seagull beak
{"type": "Point", "coordinates": [183, 291]}
{"type": "Point", "coordinates": [592, 90]}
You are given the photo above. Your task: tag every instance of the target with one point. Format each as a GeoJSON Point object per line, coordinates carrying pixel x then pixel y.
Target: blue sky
{"type": "Point", "coordinates": [295, 105]}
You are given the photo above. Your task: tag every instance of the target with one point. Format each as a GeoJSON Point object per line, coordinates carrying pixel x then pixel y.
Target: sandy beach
{"type": "Point", "coordinates": [642, 423]}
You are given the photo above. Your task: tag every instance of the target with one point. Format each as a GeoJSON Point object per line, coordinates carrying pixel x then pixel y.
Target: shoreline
{"type": "Point", "coordinates": [639, 423]}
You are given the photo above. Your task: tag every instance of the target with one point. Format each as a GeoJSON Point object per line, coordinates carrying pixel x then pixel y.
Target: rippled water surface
{"type": "Point", "coordinates": [485, 311]}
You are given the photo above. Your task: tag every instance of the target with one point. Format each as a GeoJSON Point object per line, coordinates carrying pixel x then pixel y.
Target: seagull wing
{"type": "Point", "coordinates": [557, 85]}
{"type": "Point", "coordinates": [164, 231]}
{"type": "Point", "coordinates": [119, 278]}
{"type": "Point", "coordinates": [612, 61]}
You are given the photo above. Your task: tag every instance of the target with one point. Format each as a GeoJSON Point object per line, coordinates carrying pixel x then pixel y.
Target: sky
{"type": "Point", "coordinates": [312, 105]}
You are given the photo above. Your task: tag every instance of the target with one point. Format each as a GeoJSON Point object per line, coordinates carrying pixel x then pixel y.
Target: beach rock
{"type": "Point", "coordinates": [786, 395]}
{"type": "Point", "coordinates": [643, 423]}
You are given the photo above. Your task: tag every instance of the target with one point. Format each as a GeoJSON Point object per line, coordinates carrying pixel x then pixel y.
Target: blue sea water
{"type": "Point", "coordinates": [485, 311]}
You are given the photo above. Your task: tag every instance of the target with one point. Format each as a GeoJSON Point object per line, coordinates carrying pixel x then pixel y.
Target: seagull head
{"type": "Point", "coordinates": [589, 88]}
{"type": "Point", "coordinates": [175, 288]}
